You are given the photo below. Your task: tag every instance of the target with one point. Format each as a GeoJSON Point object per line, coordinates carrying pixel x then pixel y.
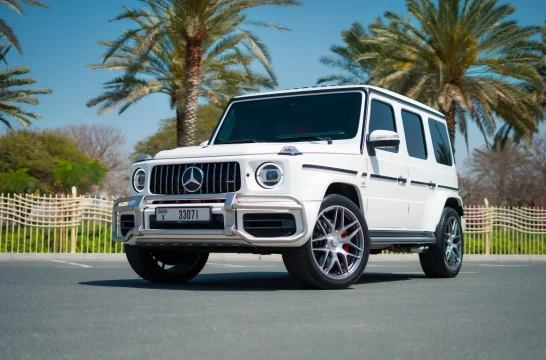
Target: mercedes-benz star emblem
{"type": "Point", "coordinates": [192, 179]}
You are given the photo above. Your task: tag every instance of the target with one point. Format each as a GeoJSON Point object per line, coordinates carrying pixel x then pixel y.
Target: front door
{"type": "Point", "coordinates": [388, 174]}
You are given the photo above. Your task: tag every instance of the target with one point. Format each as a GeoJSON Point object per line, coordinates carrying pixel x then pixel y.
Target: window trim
{"type": "Point", "coordinates": [452, 157]}
{"type": "Point", "coordinates": [394, 121]}
{"type": "Point", "coordinates": [402, 110]}
{"type": "Point", "coordinates": [363, 102]}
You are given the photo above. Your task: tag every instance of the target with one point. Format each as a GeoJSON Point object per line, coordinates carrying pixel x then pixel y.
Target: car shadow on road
{"type": "Point", "coordinates": [243, 281]}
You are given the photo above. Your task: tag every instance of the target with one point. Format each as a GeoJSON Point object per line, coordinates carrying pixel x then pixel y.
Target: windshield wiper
{"type": "Point", "coordinates": [306, 136]}
{"type": "Point", "coordinates": [239, 141]}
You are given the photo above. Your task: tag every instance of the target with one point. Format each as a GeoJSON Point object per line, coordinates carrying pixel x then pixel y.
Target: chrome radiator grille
{"type": "Point", "coordinates": [217, 178]}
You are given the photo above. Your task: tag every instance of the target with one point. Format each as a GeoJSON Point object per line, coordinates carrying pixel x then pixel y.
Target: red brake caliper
{"type": "Point", "coordinates": [344, 234]}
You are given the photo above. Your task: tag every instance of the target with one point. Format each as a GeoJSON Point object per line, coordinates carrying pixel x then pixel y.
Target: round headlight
{"type": "Point", "coordinates": [269, 175]}
{"type": "Point", "coordinates": [139, 180]}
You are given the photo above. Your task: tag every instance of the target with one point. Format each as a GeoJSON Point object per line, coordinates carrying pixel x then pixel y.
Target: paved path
{"type": "Point", "coordinates": [253, 310]}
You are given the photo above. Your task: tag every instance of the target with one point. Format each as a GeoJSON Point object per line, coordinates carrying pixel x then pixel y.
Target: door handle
{"type": "Point", "coordinates": [402, 180]}
{"type": "Point", "coordinates": [431, 185]}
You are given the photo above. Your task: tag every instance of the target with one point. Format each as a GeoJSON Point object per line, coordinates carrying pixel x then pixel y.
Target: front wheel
{"type": "Point", "coordinates": [160, 265]}
{"type": "Point", "coordinates": [445, 257]}
{"type": "Point", "coordinates": [337, 252]}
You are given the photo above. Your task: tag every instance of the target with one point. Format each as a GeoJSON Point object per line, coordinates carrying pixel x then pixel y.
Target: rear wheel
{"type": "Point", "coordinates": [445, 258]}
{"type": "Point", "coordinates": [337, 252]}
{"type": "Point", "coordinates": [165, 265]}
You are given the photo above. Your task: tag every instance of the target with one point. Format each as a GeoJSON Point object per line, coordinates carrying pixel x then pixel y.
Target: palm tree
{"type": "Point", "coordinates": [195, 48]}
{"type": "Point", "coordinates": [349, 58]}
{"type": "Point", "coordinates": [461, 57]}
{"type": "Point", "coordinates": [225, 72]}
{"type": "Point", "coordinates": [5, 29]}
{"type": "Point", "coordinates": [11, 95]}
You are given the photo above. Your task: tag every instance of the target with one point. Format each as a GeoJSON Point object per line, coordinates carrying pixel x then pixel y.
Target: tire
{"type": "Point", "coordinates": [445, 258]}
{"type": "Point", "coordinates": [312, 268]}
{"type": "Point", "coordinates": [165, 266]}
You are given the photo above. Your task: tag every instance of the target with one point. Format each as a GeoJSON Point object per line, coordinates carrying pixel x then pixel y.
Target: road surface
{"type": "Point", "coordinates": [253, 310]}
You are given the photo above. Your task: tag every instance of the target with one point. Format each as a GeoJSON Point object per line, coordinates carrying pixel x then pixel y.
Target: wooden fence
{"type": "Point", "coordinates": [81, 224]}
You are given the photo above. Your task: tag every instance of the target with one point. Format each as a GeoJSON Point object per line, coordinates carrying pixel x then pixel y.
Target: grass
{"type": "Point", "coordinates": [89, 239]}
{"type": "Point", "coordinates": [96, 238]}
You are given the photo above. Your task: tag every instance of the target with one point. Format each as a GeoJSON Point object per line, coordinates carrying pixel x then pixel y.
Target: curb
{"type": "Point", "coordinates": [253, 257]}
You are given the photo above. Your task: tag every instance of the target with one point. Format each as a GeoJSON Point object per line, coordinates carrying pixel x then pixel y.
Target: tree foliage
{"type": "Point", "coordinates": [464, 58]}
{"type": "Point", "coordinates": [507, 174]}
{"type": "Point", "coordinates": [165, 137]}
{"type": "Point", "coordinates": [19, 182]}
{"type": "Point", "coordinates": [40, 153]}
{"type": "Point", "coordinates": [186, 49]}
{"type": "Point", "coordinates": [81, 175]}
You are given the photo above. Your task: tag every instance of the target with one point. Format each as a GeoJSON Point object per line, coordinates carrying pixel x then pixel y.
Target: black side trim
{"type": "Point", "coordinates": [319, 167]}
{"type": "Point", "coordinates": [384, 177]}
{"type": "Point", "coordinates": [402, 237]}
{"type": "Point", "coordinates": [448, 187]}
{"type": "Point", "coordinates": [431, 184]}
{"type": "Point", "coordinates": [401, 234]}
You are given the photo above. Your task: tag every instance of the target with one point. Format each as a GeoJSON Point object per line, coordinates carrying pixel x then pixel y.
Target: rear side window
{"type": "Point", "coordinates": [440, 141]}
{"type": "Point", "coordinates": [382, 118]}
{"type": "Point", "coordinates": [415, 135]}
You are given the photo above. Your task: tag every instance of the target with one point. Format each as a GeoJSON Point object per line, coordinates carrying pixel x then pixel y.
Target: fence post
{"type": "Point", "coordinates": [486, 237]}
{"type": "Point", "coordinates": [73, 219]}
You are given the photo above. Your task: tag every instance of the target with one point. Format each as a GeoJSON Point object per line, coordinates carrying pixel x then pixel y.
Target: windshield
{"type": "Point", "coordinates": [334, 116]}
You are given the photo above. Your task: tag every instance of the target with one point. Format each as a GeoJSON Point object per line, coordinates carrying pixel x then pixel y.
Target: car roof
{"type": "Point", "coordinates": [347, 87]}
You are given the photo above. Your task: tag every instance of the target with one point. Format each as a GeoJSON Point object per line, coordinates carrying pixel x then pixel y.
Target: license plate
{"type": "Point", "coordinates": [186, 214]}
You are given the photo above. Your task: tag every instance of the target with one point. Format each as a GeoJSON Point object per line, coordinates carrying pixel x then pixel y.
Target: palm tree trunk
{"type": "Point", "coordinates": [187, 123]}
{"type": "Point", "coordinates": [451, 124]}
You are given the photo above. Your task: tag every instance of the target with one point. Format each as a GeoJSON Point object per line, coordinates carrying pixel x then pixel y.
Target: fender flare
{"type": "Point", "coordinates": [434, 212]}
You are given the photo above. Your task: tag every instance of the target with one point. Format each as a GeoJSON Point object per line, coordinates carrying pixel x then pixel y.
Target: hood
{"type": "Point", "coordinates": [257, 149]}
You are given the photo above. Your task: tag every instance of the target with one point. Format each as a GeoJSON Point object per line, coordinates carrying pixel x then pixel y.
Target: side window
{"type": "Point", "coordinates": [382, 118]}
{"type": "Point", "coordinates": [440, 141]}
{"type": "Point", "coordinates": [415, 135]}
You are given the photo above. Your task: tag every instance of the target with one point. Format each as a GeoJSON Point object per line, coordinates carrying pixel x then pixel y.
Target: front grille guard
{"type": "Point", "coordinates": [138, 204]}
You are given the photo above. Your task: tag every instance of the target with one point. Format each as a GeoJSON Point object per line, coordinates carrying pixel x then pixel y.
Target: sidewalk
{"type": "Point", "coordinates": [252, 257]}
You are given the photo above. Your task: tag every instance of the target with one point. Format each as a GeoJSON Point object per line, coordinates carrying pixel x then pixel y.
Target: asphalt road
{"type": "Point", "coordinates": [253, 310]}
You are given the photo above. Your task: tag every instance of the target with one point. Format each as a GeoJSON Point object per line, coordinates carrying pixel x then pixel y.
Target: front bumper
{"type": "Point", "coordinates": [232, 206]}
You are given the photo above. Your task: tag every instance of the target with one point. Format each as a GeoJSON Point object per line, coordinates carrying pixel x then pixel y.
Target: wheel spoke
{"type": "Point", "coordinates": [332, 263]}
{"type": "Point", "coordinates": [332, 228]}
{"type": "Point", "coordinates": [448, 254]}
{"type": "Point", "coordinates": [325, 259]}
{"type": "Point", "coordinates": [355, 256]}
{"type": "Point", "coordinates": [454, 227]}
{"type": "Point", "coordinates": [348, 238]}
{"type": "Point", "coordinates": [345, 261]}
{"type": "Point", "coordinates": [342, 218]}
{"type": "Point", "coordinates": [335, 219]}
{"type": "Point", "coordinates": [322, 227]}
{"type": "Point", "coordinates": [321, 249]}
{"type": "Point", "coordinates": [354, 246]}
{"type": "Point", "coordinates": [348, 226]}
{"type": "Point", "coordinates": [319, 239]}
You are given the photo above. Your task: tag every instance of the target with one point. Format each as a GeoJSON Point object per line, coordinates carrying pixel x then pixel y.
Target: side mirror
{"type": "Point", "coordinates": [204, 143]}
{"type": "Point", "coordinates": [381, 139]}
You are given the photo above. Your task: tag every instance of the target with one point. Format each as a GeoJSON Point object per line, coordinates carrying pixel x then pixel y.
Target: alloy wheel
{"type": "Point", "coordinates": [337, 242]}
{"type": "Point", "coordinates": [453, 244]}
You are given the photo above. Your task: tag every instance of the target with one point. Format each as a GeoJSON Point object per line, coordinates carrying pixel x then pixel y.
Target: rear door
{"type": "Point", "coordinates": [387, 179]}
{"type": "Point", "coordinates": [420, 169]}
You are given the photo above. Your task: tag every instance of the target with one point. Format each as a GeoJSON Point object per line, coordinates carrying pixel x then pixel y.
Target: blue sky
{"type": "Point", "coordinates": [59, 42]}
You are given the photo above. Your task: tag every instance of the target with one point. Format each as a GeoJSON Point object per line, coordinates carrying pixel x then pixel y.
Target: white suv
{"type": "Point", "coordinates": [324, 176]}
